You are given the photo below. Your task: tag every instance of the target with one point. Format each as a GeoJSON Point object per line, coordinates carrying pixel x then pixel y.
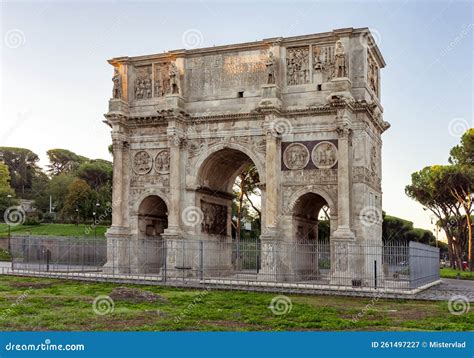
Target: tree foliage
{"type": "Point", "coordinates": [96, 173]}
{"type": "Point", "coordinates": [22, 166]}
{"type": "Point", "coordinates": [5, 189]}
{"type": "Point", "coordinates": [447, 191]}
{"type": "Point", "coordinates": [79, 200]}
{"type": "Point", "coordinates": [62, 161]}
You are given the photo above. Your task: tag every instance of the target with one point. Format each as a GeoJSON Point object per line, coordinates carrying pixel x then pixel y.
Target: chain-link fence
{"type": "Point", "coordinates": [308, 263]}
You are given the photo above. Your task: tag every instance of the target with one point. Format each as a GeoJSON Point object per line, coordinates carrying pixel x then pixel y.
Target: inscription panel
{"type": "Point", "coordinates": [210, 74]}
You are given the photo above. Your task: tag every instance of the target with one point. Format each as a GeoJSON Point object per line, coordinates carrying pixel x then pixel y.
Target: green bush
{"type": "Point", "coordinates": [49, 218]}
{"type": "Point", "coordinates": [32, 221]}
{"type": "Point", "coordinates": [5, 255]}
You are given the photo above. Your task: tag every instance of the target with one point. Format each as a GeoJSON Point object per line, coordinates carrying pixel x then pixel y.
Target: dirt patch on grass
{"type": "Point", "coordinates": [136, 295]}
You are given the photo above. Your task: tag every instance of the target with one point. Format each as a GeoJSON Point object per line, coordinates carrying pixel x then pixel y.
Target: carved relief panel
{"type": "Point", "coordinates": [323, 61]}
{"type": "Point", "coordinates": [372, 74]}
{"type": "Point", "coordinates": [297, 65]}
{"type": "Point", "coordinates": [162, 161]}
{"type": "Point", "coordinates": [324, 155]}
{"type": "Point", "coordinates": [161, 79]}
{"type": "Point", "coordinates": [142, 162]}
{"type": "Point", "coordinates": [149, 167]}
{"type": "Point", "coordinates": [214, 218]}
{"type": "Point", "coordinates": [143, 84]}
{"type": "Point", "coordinates": [296, 156]}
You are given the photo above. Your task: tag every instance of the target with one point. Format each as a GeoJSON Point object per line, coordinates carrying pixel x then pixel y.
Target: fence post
{"type": "Point", "coordinates": [48, 257]}
{"type": "Point", "coordinates": [201, 260]}
{"type": "Point", "coordinates": [375, 272]}
{"type": "Point", "coordinates": [165, 259]}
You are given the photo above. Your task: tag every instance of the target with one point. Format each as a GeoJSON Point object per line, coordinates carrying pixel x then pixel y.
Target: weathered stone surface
{"type": "Point", "coordinates": [305, 110]}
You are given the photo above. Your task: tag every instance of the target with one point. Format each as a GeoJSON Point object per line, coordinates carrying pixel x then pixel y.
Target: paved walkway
{"type": "Point", "coordinates": [447, 289]}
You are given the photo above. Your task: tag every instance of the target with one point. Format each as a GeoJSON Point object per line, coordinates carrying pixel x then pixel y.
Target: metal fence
{"type": "Point", "coordinates": [307, 263]}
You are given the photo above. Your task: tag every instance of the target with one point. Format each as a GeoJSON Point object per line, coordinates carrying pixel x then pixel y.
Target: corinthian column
{"type": "Point", "coordinates": [118, 145]}
{"type": "Point", "coordinates": [175, 141]}
{"type": "Point", "coordinates": [344, 131]}
{"type": "Point", "coordinates": [272, 170]}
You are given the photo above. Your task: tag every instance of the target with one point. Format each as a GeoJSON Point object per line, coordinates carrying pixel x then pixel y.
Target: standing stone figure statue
{"type": "Point", "coordinates": [340, 60]}
{"type": "Point", "coordinates": [117, 80]}
{"type": "Point", "coordinates": [174, 78]}
{"type": "Point", "coordinates": [270, 69]}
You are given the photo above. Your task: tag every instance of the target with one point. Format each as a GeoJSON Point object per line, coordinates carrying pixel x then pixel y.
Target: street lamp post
{"type": "Point", "coordinates": [95, 226]}
{"type": "Point", "coordinates": [435, 222]}
{"type": "Point", "coordinates": [77, 216]}
{"type": "Point", "coordinates": [97, 205]}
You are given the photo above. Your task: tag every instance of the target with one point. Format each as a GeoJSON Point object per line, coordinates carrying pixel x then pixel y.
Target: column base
{"type": "Point", "coordinates": [343, 233]}
{"type": "Point", "coordinates": [118, 250]}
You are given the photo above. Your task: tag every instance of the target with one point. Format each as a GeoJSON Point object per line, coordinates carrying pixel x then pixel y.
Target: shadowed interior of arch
{"type": "Point", "coordinates": [223, 178]}
{"type": "Point", "coordinates": [311, 231]}
{"type": "Point", "coordinates": [308, 210]}
{"type": "Point", "coordinates": [219, 170]}
{"type": "Point", "coordinates": [152, 221]}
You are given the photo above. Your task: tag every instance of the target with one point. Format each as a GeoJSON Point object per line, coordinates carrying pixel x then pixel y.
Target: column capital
{"type": "Point", "coordinates": [176, 137]}
{"type": "Point", "coordinates": [344, 130]}
{"type": "Point", "coordinates": [119, 141]}
{"type": "Point", "coordinates": [274, 127]}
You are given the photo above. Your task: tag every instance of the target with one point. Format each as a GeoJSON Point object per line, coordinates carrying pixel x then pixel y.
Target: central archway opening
{"type": "Point", "coordinates": [152, 222]}
{"type": "Point", "coordinates": [311, 231]}
{"type": "Point", "coordinates": [229, 196]}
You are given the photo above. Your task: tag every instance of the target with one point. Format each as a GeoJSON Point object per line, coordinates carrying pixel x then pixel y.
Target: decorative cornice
{"type": "Point", "coordinates": [323, 37]}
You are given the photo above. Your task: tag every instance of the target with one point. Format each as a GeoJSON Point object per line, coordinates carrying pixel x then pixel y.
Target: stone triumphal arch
{"type": "Point", "coordinates": [304, 110]}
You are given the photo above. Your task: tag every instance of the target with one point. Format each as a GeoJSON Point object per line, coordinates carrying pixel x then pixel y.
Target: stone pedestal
{"type": "Point", "coordinates": [118, 106]}
{"type": "Point", "coordinates": [119, 250]}
{"type": "Point", "coordinates": [172, 101]}
{"type": "Point", "coordinates": [271, 96]}
{"type": "Point", "coordinates": [340, 89]}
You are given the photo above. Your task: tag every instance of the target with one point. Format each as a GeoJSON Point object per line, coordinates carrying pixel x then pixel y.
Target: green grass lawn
{"type": "Point", "coordinates": [54, 230]}
{"type": "Point", "coordinates": [447, 272]}
{"type": "Point", "coordinates": [49, 304]}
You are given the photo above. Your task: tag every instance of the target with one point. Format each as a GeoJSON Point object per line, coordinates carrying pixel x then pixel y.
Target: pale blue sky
{"type": "Point", "coordinates": [56, 82]}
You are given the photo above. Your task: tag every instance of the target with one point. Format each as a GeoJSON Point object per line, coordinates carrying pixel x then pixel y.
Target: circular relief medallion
{"type": "Point", "coordinates": [296, 156]}
{"type": "Point", "coordinates": [162, 161]}
{"type": "Point", "coordinates": [324, 155]}
{"type": "Point", "coordinates": [142, 162]}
